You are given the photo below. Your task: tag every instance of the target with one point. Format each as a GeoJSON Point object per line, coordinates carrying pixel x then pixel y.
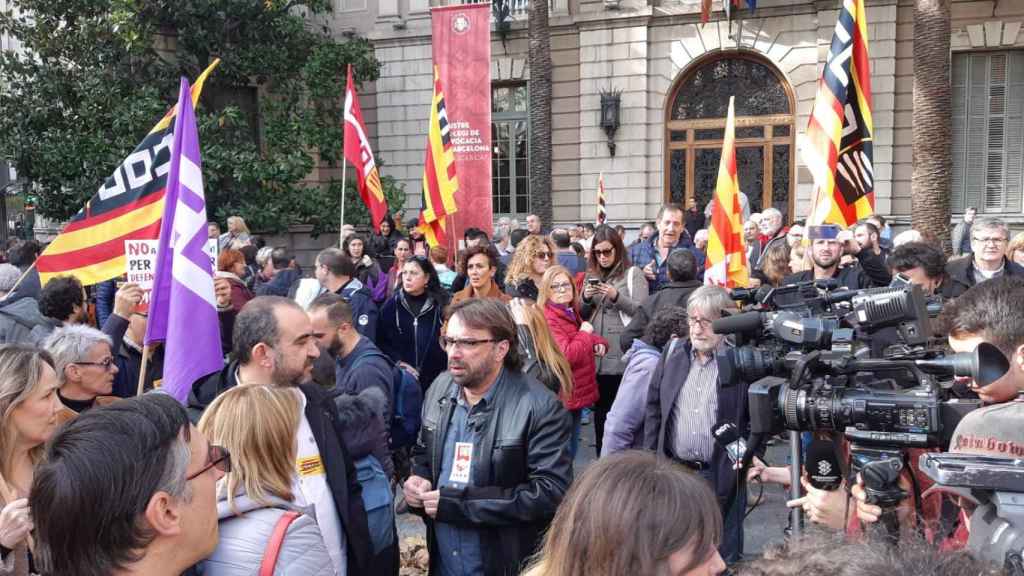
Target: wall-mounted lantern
{"type": "Point", "coordinates": [611, 101]}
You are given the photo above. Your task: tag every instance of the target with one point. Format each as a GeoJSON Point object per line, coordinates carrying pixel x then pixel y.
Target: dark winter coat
{"type": "Point", "coordinates": [280, 284]}
{"type": "Point", "coordinates": [521, 468]}
{"type": "Point", "coordinates": [960, 275]}
{"type": "Point", "coordinates": [671, 294]}
{"type": "Point", "coordinates": [414, 339]}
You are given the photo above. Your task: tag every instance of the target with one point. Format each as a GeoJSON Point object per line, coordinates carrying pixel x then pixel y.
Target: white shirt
{"type": "Point", "coordinates": [309, 484]}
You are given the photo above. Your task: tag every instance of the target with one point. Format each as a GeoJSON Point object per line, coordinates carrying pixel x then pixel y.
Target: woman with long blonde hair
{"type": "Point", "coordinates": [560, 303]}
{"type": "Point", "coordinates": [533, 256]}
{"type": "Point", "coordinates": [29, 405]}
{"type": "Point", "coordinates": [258, 426]}
{"type": "Point", "coordinates": [634, 514]}
{"type": "Point", "coordinates": [542, 358]}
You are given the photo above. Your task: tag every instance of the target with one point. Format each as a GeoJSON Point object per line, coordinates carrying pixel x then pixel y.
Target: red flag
{"type": "Point", "coordinates": [602, 212]}
{"type": "Point", "coordinates": [705, 11]}
{"type": "Point", "coordinates": [359, 154]}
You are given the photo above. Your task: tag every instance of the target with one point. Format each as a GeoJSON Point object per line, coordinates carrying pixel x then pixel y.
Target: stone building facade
{"type": "Point", "coordinates": [675, 76]}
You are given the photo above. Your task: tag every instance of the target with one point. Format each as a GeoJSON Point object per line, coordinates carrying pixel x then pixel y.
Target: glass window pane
{"type": "Point", "coordinates": [519, 98]}
{"type": "Point", "coordinates": [709, 134]}
{"type": "Point", "coordinates": [706, 92]}
{"type": "Point", "coordinates": [750, 132]}
{"type": "Point", "coordinates": [750, 174]}
{"type": "Point", "coordinates": [780, 130]}
{"type": "Point", "coordinates": [780, 179]}
{"type": "Point", "coordinates": [705, 174]}
{"type": "Point", "coordinates": [678, 136]}
{"type": "Point", "coordinates": [677, 176]}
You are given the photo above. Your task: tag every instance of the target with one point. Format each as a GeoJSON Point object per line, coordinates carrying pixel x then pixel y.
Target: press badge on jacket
{"type": "Point", "coordinates": [462, 463]}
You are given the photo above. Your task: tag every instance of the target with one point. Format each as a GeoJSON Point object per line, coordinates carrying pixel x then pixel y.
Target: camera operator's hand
{"type": "Point", "coordinates": [767, 474]}
{"type": "Point", "coordinates": [870, 513]}
{"type": "Point", "coordinates": [825, 507]}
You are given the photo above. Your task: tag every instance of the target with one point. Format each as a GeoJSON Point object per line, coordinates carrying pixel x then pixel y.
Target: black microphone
{"type": "Point", "coordinates": [728, 436]}
{"type": "Point", "coordinates": [737, 323]}
{"type": "Point", "coordinates": [822, 466]}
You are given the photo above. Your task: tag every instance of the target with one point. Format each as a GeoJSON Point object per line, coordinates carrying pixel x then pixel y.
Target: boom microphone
{"type": "Point", "coordinates": [822, 466]}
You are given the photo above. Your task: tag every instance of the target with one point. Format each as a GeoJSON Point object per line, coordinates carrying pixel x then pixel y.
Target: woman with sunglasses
{"type": "Point", "coordinates": [561, 305]}
{"type": "Point", "coordinates": [257, 426]}
{"type": "Point", "coordinates": [533, 256]}
{"type": "Point", "coordinates": [409, 324]}
{"type": "Point", "coordinates": [612, 291]}
{"type": "Point", "coordinates": [29, 404]}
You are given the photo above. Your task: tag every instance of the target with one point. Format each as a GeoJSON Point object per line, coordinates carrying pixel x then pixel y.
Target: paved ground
{"type": "Point", "coordinates": [763, 526]}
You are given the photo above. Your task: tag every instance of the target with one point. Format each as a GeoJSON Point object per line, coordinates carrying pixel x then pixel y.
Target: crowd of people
{"type": "Point", "coordinates": [396, 378]}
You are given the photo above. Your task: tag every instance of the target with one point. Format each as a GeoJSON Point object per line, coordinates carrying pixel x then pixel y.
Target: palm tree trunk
{"type": "Point", "coordinates": [540, 110]}
{"type": "Point", "coordinates": [932, 119]}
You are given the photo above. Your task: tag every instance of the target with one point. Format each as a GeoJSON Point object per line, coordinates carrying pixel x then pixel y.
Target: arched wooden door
{"type": "Point", "coordinates": [765, 131]}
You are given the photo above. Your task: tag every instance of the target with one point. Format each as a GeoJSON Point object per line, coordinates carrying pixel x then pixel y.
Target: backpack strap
{"type": "Point", "coordinates": [276, 540]}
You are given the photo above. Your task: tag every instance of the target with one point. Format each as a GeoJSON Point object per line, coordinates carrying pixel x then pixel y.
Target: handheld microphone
{"type": "Point", "coordinates": [728, 436]}
{"type": "Point", "coordinates": [822, 466]}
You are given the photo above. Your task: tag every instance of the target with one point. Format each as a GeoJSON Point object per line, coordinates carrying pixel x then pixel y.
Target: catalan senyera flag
{"type": "Point", "coordinates": [360, 155]}
{"type": "Point", "coordinates": [726, 263]}
{"type": "Point", "coordinates": [837, 148]}
{"type": "Point", "coordinates": [439, 180]}
{"type": "Point", "coordinates": [128, 206]}
{"type": "Point", "coordinates": [602, 212]}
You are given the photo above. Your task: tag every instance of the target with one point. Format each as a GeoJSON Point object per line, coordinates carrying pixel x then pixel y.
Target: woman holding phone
{"type": "Point", "coordinates": [612, 291]}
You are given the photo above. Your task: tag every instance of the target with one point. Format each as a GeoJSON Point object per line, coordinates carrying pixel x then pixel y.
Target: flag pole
{"type": "Point", "coordinates": [142, 370]}
{"type": "Point", "coordinates": [344, 165]}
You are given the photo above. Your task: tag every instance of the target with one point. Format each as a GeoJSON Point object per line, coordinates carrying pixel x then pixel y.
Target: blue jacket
{"type": "Point", "coordinates": [364, 310]}
{"type": "Point", "coordinates": [644, 252]}
{"type": "Point", "coordinates": [353, 373]}
{"type": "Point", "coordinates": [105, 292]}
{"type": "Point", "coordinates": [415, 340]}
{"type": "Point", "coordinates": [280, 284]}
{"type": "Point", "coordinates": [624, 427]}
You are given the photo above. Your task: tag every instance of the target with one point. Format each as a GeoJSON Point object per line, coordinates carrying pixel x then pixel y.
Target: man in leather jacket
{"type": "Point", "coordinates": [492, 463]}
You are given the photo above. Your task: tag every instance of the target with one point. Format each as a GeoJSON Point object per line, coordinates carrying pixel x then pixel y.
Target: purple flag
{"type": "Point", "coordinates": [182, 309]}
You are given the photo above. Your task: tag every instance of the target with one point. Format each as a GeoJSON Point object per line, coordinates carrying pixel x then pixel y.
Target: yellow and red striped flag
{"type": "Point", "coordinates": [128, 206]}
{"type": "Point", "coordinates": [838, 146]}
{"type": "Point", "coordinates": [358, 152]}
{"type": "Point", "coordinates": [602, 213]}
{"type": "Point", "coordinates": [726, 263]}
{"type": "Point", "coordinates": [439, 180]}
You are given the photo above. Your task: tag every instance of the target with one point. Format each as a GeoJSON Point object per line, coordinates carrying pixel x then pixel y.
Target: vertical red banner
{"type": "Point", "coordinates": [462, 53]}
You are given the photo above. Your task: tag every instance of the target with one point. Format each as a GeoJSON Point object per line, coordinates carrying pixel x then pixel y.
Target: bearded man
{"type": "Point", "coordinates": [492, 461]}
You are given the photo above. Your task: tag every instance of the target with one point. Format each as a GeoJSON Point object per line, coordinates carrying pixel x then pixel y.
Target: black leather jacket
{"type": "Point", "coordinates": [521, 466]}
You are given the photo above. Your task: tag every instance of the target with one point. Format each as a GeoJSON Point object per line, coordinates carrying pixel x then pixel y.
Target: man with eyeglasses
{"type": "Point", "coordinates": [685, 401]}
{"type": "Point", "coordinates": [492, 462]}
{"type": "Point", "coordinates": [988, 242]}
{"type": "Point", "coordinates": [130, 488]}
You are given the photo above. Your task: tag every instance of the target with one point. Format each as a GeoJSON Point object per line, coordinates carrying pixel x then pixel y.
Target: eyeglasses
{"type": "Point", "coordinates": [220, 459]}
{"type": "Point", "coordinates": [465, 343]}
{"type": "Point", "coordinates": [106, 363]}
{"type": "Point", "coordinates": [605, 252]}
{"type": "Point", "coordinates": [561, 287]}
{"type": "Point", "coordinates": [703, 323]}
{"type": "Point", "coordinates": [543, 255]}
{"type": "Point", "coordinates": [990, 240]}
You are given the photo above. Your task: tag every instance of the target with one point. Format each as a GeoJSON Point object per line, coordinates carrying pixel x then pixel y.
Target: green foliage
{"type": "Point", "coordinates": [96, 75]}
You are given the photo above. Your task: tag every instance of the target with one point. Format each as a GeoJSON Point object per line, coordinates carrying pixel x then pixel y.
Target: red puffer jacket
{"type": "Point", "coordinates": [578, 347]}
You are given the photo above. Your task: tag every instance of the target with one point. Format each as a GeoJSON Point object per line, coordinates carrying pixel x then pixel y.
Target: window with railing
{"type": "Point", "coordinates": [988, 131]}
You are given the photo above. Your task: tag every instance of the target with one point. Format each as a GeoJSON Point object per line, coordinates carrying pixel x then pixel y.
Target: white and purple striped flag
{"type": "Point", "coordinates": [182, 309]}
